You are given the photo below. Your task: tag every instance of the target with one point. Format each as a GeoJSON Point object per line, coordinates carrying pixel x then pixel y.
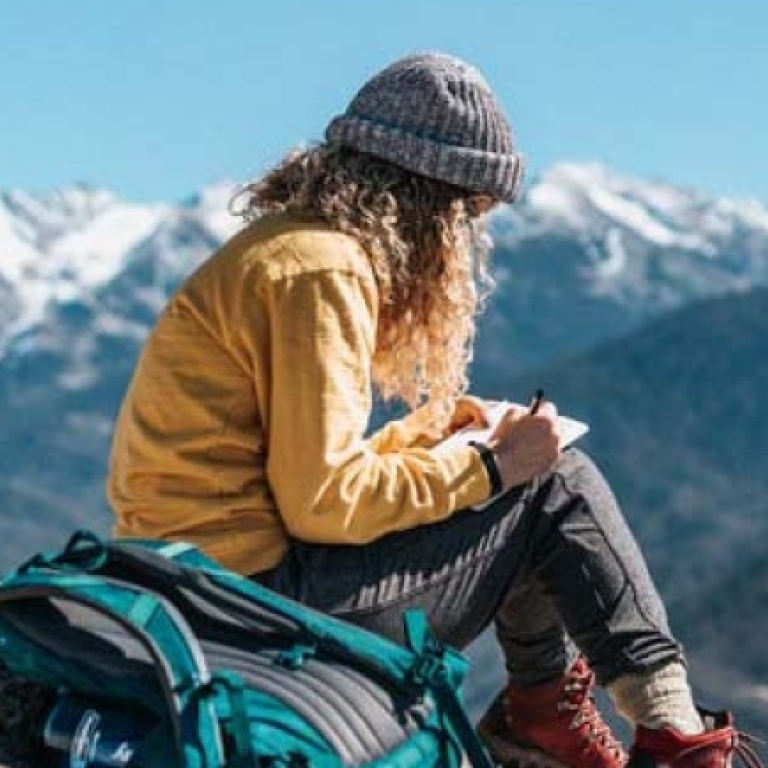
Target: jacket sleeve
{"type": "Point", "coordinates": [330, 484]}
{"type": "Point", "coordinates": [415, 429]}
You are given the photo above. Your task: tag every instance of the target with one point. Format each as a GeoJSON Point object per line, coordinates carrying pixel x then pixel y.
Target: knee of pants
{"type": "Point", "coordinates": [571, 458]}
{"type": "Point", "coordinates": [577, 469]}
{"type": "Point", "coordinates": [575, 475]}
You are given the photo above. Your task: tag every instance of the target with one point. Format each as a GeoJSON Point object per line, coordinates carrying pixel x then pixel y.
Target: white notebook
{"type": "Point", "coordinates": [570, 429]}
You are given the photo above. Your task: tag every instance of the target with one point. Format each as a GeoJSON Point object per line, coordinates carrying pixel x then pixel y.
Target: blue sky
{"type": "Point", "coordinates": [156, 99]}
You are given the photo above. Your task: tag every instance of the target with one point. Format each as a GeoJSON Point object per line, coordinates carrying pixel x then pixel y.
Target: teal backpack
{"type": "Point", "coordinates": [160, 658]}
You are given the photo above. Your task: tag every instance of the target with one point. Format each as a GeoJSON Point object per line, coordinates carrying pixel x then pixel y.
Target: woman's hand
{"type": "Point", "coordinates": [526, 444]}
{"type": "Point", "coordinates": [469, 411]}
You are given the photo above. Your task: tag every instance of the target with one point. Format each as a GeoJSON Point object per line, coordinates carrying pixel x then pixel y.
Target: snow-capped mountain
{"type": "Point", "coordinates": [586, 256]}
{"type": "Point", "coordinates": [592, 200]}
{"type": "Point", "coordinates": [583, 241]}
{"type": "Point", "coordinates": [63, 247]}
{"type": "Point", "coordinates": [589, 254]}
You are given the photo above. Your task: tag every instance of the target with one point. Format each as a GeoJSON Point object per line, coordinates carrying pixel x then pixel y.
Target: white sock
{"type": "Point", "coordinates": [658, 699]}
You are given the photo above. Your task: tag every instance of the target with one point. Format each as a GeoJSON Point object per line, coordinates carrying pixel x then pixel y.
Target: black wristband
{"type": "Point", "coordinates": [491, 467]}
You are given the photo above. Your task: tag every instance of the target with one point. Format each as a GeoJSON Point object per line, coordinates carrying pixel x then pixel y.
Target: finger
{"type": "Point", "coordinates": [511, 416]}
{"type": "Point", "coordinates": [547, 409]}
{"type": "Point", "coordinates": [468, 411]}
{"type": "Point", "coordinates": [504, 425]}
{"type": "Point", "coordinates": [477, 410]}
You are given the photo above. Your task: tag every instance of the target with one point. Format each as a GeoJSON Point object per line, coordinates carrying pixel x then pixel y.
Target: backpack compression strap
{"type": "Point", "coordinates": [433, 671]}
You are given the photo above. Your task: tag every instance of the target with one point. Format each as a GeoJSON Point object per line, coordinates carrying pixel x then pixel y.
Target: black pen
{"type": "Point", "coordinates": [538, 398]}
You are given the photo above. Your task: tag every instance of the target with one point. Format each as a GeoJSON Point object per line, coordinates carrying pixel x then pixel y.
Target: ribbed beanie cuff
{"type": "Point", "coordinates": [435, 115]}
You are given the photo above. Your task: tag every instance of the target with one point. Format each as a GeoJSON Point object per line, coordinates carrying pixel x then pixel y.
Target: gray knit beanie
{"type": "Point", "coordinates": [435, 115]}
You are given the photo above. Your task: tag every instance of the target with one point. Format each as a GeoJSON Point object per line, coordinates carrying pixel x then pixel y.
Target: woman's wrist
{"type": "Point", "coordinates": [491, 467]}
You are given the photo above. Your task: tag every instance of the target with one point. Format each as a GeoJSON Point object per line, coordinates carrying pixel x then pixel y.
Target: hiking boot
{"type": "Point", "coordinates": [555, 725]}
{"type": "Point", "coordinates": [714, 748]}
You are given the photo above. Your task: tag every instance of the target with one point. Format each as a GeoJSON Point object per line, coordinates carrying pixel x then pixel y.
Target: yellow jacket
{"type": "Point", "coordinates": [244, 424]}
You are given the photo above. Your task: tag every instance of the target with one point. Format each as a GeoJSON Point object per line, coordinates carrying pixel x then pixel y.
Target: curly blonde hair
{"type": "Point", "coordinates": [429, 251]}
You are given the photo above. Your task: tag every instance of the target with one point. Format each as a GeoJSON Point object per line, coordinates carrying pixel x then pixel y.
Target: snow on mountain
{"type": "Point", "coordinates": [617, 217]}
{"type": "Point", "coordinates": [63, 246]}
{"type": "Point", "coordinates": [589, 197]}
{"type": "Point", "coordinates": [622, 249]}
{"type": "Point", "coordinates": [211, 207]}
{"type": "Point", "coordinates": [588, 254]}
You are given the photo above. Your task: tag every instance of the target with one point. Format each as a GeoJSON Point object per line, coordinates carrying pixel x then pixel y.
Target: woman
{"type": "Point", "coordinates": [363, 267]}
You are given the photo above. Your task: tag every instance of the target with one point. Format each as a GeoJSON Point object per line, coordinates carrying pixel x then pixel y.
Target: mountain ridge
{"type": "Point", "coordinates": [655, 339]}
{"type": "Point", "coordinates": [628, 249]}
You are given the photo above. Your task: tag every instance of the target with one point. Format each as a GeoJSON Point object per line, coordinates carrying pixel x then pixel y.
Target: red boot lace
{"type": "Point", "coordinates": [587, 720]}
{"type": "Point", "coordinates": [743, 747]}
{"type": "Point", "coordinates": [561, 721]}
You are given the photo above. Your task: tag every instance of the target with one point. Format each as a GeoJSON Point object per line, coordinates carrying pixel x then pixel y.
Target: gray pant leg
{"type": "Point", "coordinates": [553, 563]}
{"type": "Point", "coordinates": [457, 571]}
{"type": "Point", "coordinates": [532, 635]}
{"type": "Point", "coordinates": [588, 562]}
